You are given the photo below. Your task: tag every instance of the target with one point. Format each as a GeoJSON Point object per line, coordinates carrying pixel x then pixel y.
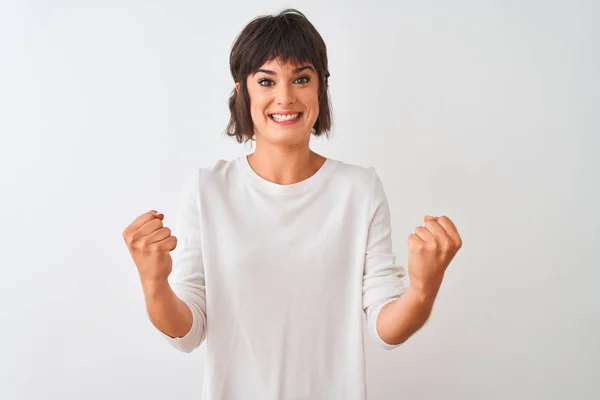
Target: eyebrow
{"type": "Point", "coordinates": [299, 69]}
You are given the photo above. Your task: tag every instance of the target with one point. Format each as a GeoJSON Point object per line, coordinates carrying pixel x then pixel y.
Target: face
{"type": "Point", "coordinates": [284, 102]}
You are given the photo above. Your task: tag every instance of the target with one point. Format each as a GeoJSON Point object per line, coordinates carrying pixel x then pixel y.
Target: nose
{"type": "Point", "coordinates": [285, 95]}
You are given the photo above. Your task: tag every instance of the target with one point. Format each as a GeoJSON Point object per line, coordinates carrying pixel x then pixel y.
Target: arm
{"type": "Point", "coordinates": [167, 312]}
{"type": "Point", "coordinates": [401, 318]}
{"type": "Point", "coordinates": [431, 249]}
{"type": "Point", "coordinates": [177, 308]}
{"type": "Point", "coordinates": [382, 276]}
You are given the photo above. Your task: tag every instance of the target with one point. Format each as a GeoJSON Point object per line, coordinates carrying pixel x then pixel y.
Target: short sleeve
{"type": "Point", "coordinates": [382, 277]}
{"type": "Point", "coordinates": [187, 276]}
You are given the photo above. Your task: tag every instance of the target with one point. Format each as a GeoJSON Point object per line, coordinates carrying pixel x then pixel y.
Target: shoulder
{"type": "Point", "coordinates": [219, 168]}
{"type": "Point", "coordinates": [216, 171]}
{"type": "Point", "coordinates": [211, 175]}
{"type": "Point", "coordinates": [364, 181]}
{"type": "Point", "coordinates": [363, 177]}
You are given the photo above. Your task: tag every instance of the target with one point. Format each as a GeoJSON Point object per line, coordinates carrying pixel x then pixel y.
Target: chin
{"type": "Point", "coordinates": [286, 137]}
{"type": "Point", "coordinates": [283, 135]}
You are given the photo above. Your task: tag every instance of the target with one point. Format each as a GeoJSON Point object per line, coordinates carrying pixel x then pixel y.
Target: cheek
{"type": "Point", "coordinates": [312, 103]}
{"type": "Point", "coordinates": [258, 105]}
{"type": "Point", "coordinates": [312, 100]}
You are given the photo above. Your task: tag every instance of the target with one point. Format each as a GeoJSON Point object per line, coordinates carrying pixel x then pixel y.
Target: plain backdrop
{"type": "Point", "coordinates": [484, 111]}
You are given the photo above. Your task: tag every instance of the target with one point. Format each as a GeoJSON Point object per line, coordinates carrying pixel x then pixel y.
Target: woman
{"type": "Point", "coordinates": [282, 251]}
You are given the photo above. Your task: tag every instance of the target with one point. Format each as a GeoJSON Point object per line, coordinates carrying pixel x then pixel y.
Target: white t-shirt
{"type": "Point", "coordinates": [278, 278]}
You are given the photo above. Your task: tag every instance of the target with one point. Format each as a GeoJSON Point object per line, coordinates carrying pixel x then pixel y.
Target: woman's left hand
{"type": "Point", "coordinates": [430, 250]}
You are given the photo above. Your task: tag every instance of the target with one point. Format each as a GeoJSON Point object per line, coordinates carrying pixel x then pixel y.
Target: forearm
{"type": "Point", "coordinates": [168, 313]}
{"type": "Point", "coordinates": [400, 319]}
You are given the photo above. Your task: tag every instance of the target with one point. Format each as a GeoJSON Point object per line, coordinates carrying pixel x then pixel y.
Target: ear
{"type": "Point", "coordinates": [237, 87]}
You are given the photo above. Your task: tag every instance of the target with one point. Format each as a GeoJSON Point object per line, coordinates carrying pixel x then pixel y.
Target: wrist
{"type": "Point", "coordinates": [155, 288]}
{"type": "Point", "coordinates": [426, 290]}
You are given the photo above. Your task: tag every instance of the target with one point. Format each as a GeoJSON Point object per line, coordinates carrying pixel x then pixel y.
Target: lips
{"type": "Point", "coordinates": [285, 117]}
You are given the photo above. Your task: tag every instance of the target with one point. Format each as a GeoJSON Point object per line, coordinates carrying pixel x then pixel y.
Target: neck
{"type": "Point", "coordinates": [285, 166]}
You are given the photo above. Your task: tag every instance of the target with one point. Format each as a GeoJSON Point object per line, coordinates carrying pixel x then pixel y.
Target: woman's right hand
{"type": "Point", "coordinates": [150, 244]}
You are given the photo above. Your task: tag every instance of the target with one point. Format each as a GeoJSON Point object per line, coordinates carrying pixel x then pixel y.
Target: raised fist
{"type": "Point", "coordinates": [150, 244]}
{"type": "Point", "coordinates": [430, 250]}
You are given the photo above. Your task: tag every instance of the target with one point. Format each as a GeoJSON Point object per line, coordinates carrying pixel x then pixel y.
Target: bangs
{"type": "Point", "coordinates": [285, 37]}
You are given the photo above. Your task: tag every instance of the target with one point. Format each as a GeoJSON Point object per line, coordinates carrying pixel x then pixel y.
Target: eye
{"type": "Point", "coordinates": [265, 82]}
{"type": "Point", "coordinates": [303, 79]}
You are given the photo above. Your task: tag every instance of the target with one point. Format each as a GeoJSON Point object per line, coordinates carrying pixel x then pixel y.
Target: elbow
{"type": "Point", "coordinates": [190, 342]}
{"type": "Point", "coordinates": [392, 344]}
{"type": "Point", "coordinates": [194, 339]}
{"type": "Point", "coordinates": [188, 348]}
{"type": "Point", "coordinates": [195, 336]}
{"type": "Point", "coordinates": [390, 347]}
{"type": "Point", "coordinates": [387, 345]}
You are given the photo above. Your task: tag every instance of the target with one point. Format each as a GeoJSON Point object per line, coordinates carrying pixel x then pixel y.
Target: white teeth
{"type": "Point", "coordinates": [282, 118]}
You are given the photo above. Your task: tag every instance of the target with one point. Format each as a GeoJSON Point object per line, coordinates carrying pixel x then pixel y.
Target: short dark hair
{"type": "Point", "coordinates": [289, 36]}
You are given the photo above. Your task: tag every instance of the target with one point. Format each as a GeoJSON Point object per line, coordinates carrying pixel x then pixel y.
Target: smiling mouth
{"type": "Point", "coordinates": [285, 117]}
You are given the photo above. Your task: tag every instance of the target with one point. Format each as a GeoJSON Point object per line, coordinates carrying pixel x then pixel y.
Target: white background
{"type": "Point", "coordinates": [483, 111]}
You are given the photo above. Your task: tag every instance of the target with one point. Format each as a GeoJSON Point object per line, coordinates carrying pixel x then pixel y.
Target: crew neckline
{"type": "Point", "coordinates": [311, 182]}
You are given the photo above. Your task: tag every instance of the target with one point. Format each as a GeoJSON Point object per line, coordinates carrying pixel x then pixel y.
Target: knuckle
{"type": "Point", "coordinates": [144, 243]}
{"type": "Point", "coordinates": [154, 248]}
{"type": "Point", "coordinates": [135, 236]}
{"type": "Point", "coordinates": [148, 247]}
{"type": "Point", "coordinates": [445, 244]}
